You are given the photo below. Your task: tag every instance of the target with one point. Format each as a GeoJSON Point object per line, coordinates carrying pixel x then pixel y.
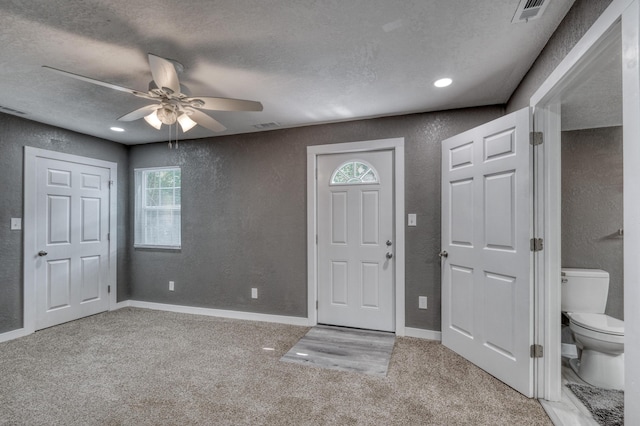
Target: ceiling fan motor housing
{"type": "Point", "coordinates": [167, 114]}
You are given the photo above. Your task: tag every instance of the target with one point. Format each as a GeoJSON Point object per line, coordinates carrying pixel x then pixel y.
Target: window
{"type": "Point", "coordinates": [157, 209]}
{"type": "Point", "coordinates": [354, 172]}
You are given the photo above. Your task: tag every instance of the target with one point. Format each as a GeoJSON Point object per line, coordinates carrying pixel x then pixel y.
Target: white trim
{"type": "Point", "coordinates": [139, 208]}
{"type": "Point", "coordinates": [395, 144]}
{"type": "Point", "coordinates": [29, 244]}
{"type": "Point", "coordinates": [631, 149]}
{"type": "Point", "coordinates": [423, 334]}
{"type": "Point", "coordinates": [239, 315]}
{"type": "Point", "coordinates": [547, 262]}
{"type": "Point", "coordinates": [573, 59]}
{"type": "Point", "coordinates": [545, 100]}
{"type": "Point", "coordinates": [120, 305]}
{"type": "Point", "coordinates": [14, 334]}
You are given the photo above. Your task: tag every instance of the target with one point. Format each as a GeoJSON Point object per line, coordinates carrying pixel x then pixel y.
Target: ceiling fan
{"type": "Point", "coordinates": [170, 104]}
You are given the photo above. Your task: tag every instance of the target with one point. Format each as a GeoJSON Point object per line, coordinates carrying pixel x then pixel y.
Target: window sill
{"type": "Point", "coordinates": [149, 247]}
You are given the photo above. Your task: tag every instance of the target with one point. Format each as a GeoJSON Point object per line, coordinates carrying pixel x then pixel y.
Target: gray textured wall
{"type": "Point", "coordinates": [15, 134]}
{"type": "Point", "coordinates": [578, 20]}
{"type": "Point", "coordinates": [244, 200]}
{"type": "Point", "coordinates": [592, 206]}
{"type": "Point", "coordinates": [244, 215]}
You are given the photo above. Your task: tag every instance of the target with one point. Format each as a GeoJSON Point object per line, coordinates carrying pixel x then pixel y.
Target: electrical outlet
{"type": "Point", "coordinates": [16, 223]}
{"type": "Point", "coordinates": [171, 286]}
{"type": "Point", "coordinates": [422, 302]}
{"type": "Point", "coordinates": [254, 293]}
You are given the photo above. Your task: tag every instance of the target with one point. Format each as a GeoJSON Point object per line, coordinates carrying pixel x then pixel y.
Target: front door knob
{"type": "Point", "coordinates": [389, 255]}
{"type": "Point", "coordinates": [388, 243]}
{"type": "Point", "coordinates": [42, 253]}
{"type": "Point", "coordinates": [443, 253]}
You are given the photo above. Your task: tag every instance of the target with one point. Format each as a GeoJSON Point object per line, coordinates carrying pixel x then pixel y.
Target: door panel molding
{"type": "Point", "coordinates": [31, 156]}
{"type": "Point", "coordinates": [397, 146]}
{"type": "Point", "coordinates": [354, 231]}
{"type": "Point", "coordinates": [487, 285]}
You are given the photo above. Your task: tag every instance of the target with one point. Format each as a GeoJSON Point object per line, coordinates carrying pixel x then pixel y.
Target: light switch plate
{"type": "Point", "coordinates": [254, 293]}
{"type": "Point", "coordinates": [411, 220]}
{"type": "Point", "coordinates": [16, 223]}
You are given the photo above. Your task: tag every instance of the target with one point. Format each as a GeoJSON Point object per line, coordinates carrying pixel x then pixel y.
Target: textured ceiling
{"type": "Point", "coordinates": [308, 61]}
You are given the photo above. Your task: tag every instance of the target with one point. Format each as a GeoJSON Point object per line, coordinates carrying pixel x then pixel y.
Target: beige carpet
{"type": "Point", "coordinates": [136, 366]}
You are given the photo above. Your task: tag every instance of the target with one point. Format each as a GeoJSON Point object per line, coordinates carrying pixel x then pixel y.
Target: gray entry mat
{"type": "Point", "coordinates": [606, 405]}
{"type": "Point", "coordinates": [344, 349]}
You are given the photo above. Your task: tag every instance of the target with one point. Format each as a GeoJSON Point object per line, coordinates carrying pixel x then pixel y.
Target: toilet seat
{"type": "Point", "coordinates": [600, 323]}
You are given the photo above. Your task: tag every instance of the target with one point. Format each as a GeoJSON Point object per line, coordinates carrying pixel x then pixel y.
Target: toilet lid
{"type": "Point", "coordinates": [599, 322]}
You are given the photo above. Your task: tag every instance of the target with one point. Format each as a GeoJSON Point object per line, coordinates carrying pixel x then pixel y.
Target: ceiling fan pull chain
{"type": "Point", "coordinates": [169, 136]}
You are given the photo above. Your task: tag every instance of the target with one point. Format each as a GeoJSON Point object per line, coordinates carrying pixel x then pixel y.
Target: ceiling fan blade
{"type": "Point", "coordinates": [206, 121]}
{"type": "Point", "coordinates": [139, 113]}
{"type": "Point", "coordinates": [226, 104]}
{"type": "Point", "coordinates": [164, 73]}
{"type": "Point", "coordinates": [100, 83]}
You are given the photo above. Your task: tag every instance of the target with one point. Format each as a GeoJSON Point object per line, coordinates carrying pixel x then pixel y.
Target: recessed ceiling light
{"type": "Point", "coordinates": [443, 82]}
{"type": "Point", "coordinates": [117, 129]}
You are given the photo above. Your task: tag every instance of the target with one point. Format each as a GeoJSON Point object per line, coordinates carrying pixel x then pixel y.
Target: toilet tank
{"type": "Point", "coordinates": [584, 290]}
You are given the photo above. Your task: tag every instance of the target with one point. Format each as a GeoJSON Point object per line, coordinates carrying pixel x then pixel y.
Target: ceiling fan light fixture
{"type": "Point", "coordinates": [153, 120]}
{"type": "Point", "coordinates": [185, 122]}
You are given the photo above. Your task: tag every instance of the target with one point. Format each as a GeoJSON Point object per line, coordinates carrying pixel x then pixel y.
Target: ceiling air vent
{"type": "Point", "coordinates": [529, 9]}
{"type": "Point", "coordinates": [264, 126]}
{"type": "Point", "coordinates": [11, 110]}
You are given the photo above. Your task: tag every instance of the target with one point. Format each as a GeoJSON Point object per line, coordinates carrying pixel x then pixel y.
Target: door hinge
{"type": "Point", "coordinates": [536, 351]}
{"type": "Point", "coordinates": [536, 244]}
{"type": "Point", "coordinates": [536, 138]}
{"type": "Point", "coordinates": [108, 289]}
{"type": "Point", "coordinates": [109, 236]}
{"type": "Point", "coordinates": [316, 173]}
{"type": "Point", "coordinates": [110, 183]}
{"type": "Point", "coordinates": [316, 305]}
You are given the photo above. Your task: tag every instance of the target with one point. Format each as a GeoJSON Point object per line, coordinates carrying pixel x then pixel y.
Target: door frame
{"type": "Point", "coordinates": [397, 146]}
{"type": "Point", "coordinates": [30, 245]}
{"type": "Point", "coordinates": [546, 103]}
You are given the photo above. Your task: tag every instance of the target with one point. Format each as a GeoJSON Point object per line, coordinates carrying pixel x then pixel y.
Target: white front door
{"type": "Point", "coordinates": [355, 240]}
{"type": "Point", "coordinates": [71, 238]}
{"type": "Point", "coordinates": [487, 289]}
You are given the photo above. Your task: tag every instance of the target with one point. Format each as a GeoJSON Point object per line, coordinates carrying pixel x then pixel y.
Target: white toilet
{"type": "Point", "coordinates": [599, 337]}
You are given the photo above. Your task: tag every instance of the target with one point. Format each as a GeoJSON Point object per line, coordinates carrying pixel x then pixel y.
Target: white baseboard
{"type": "Point", "coordinates": [423, 334]}
{"type": "Point", "coordinates": [250, 316]}
{"type": "Point", "coordinates": [121, 305]}
{"type": "Point", "coordinates": [14, 334]}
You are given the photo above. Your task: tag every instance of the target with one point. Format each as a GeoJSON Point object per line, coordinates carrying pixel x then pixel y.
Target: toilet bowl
{"type": "Point", "coordinates": [600, 339]}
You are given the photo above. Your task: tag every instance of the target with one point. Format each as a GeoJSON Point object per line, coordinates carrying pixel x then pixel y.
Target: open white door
{"type": "Point", "coordinates": [487, 288]}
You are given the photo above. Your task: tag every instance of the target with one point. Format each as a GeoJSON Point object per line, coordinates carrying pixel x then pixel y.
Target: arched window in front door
{"type": "Point", "coordinates": [354, 172]}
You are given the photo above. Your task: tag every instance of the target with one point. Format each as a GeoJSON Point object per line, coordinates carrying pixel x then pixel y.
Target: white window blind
{"type": "Point", "coordinates": [157, 207]}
